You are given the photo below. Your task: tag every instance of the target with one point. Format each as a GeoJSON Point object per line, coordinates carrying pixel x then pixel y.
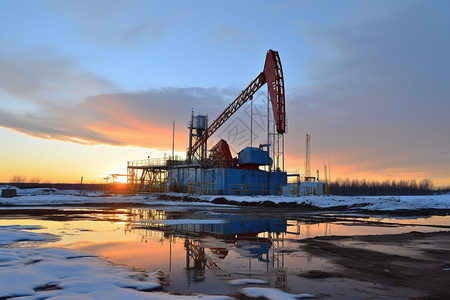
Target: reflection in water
{"type": "Point", "coordinates": [208, 243]}
{"type": "Point", "coordinates": [313, 230]}
{"type": "Point", "coordinates": [198, 252]}
{"type": "Point", "coordinates": [197, 261]}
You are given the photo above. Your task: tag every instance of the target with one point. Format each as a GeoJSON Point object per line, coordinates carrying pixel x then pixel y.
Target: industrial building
{"type": "Point", "coordinates": [255, 170]}
{"type": "Point", "coordinates": [310, 185]}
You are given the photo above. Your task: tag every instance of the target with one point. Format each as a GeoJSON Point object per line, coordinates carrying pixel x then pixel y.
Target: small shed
{"type": "Point", "coordinates": [9, 193]}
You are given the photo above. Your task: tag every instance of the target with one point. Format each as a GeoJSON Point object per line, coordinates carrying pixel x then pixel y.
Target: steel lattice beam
{"type": "Point", "coordinates": [245, 96]}
{"type": "Point", "coordinates": [273, 75]}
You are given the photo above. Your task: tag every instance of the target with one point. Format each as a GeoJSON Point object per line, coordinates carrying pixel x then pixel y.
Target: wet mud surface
{"type": "Point", "coordinates": [419, 261]}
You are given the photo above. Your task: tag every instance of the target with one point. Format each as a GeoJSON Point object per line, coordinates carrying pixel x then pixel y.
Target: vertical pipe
{"type": "Point", "coordinates": [307, 159]}
{"type": "Point", "coordinates": [251, 122]}
{"type": "Point", "coordinates": [190, 134]}
{"type": "Point", "coordinates": [283, 151]}
{"type": "Point", "coordinates": [173, 140]}
{"type": "Point", "coordinates": [170, 253]}
{"type": "Point", "coordinates": [205, 154]}
{"type": "Point", "coordinates": [268, 129]}
{"type": "Point", "coordinates": [186, 245]}
{"type": "Point", "coordinates": [278, 151]}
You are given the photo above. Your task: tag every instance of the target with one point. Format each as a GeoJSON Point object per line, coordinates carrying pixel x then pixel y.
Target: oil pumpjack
{"type": "Point", "coordinates": [220, 172]}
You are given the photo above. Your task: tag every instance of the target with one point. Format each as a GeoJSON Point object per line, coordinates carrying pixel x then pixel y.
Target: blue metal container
{"type": "Point", "coordinates": [221, 181]}
{"type": "Point", "coordinates": [251, 155]}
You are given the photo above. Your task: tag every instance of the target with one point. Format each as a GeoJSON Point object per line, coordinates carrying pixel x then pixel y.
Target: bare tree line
{"type": "Point", "coordinates": [342, 187]}
{"type": "Point", "coordinates": [363, 187]}
{"type": "Point", "coordinates": [23, 179]}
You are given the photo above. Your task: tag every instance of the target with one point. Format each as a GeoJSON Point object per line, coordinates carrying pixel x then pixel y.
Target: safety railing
{"type": "Point", "coordinates": [148, 187]}
{"type": "Point", "coordinates": [157, 162]}
{"type": "Point", "coordinates": [202, 188]}
{"type": "Point", "coordinates": [255, 189]}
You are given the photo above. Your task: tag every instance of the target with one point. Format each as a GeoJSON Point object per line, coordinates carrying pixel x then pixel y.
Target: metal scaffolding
{"type": "Point", "coordinates": [147, 175]}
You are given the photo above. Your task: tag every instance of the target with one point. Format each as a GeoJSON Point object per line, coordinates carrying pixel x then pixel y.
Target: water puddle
{"type": "Point", "coordinates": [202, 251]}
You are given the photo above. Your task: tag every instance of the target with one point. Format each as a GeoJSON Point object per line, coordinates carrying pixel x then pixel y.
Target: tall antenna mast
{"type": "Point", "coordinates": [307, 161]}
{"type": "Point", "coordinates": [329, 169]}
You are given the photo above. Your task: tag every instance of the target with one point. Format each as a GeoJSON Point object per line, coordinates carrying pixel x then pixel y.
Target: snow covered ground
{"type": "Point", "coordinates": [270, 293]}
{"type": "Point", "coordinates": [387, 203]}
{"type": "Point", "coordinates": [32, 197]}
{"type": "Point", "coordinates": [31, 272]}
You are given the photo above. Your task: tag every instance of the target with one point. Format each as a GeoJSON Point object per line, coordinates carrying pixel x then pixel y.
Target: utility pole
{"type": "Point", "coordinates": [329, 169]}
{"type": "Point", "coordinates": [307, 160]}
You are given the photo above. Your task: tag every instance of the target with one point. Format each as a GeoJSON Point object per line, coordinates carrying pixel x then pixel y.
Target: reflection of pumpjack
{"type": "Point", "coordinates": [195, 253]}
{"type": "Point", "coordinates": [243, 233]}
{"type": "Point", "coordinates": [255, 249]}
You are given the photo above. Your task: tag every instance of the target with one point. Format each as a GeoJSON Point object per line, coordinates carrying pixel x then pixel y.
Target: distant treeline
{"type": "Point", "coordinates": [71, 186]}
{"type": "Point", "coordinates": [362, 187]}
{"type": "Point", "coordinates": [59, 186]}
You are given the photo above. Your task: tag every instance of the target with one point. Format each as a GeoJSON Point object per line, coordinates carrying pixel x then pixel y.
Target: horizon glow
{"type": "Point", "coordinates": [86, 86]}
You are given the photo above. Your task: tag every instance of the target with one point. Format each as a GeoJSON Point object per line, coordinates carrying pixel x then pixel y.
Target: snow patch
{"type": "Point", "coordinates": [41, 273]}
{"type": "Point", "coordinates": [23, 227]}
{"type": "Point", "coordinates": [14, 233]}
{"type": "Point", "coordinates": [273, 294]}
{"type": "Point", "coordinates": [32, 197]}
{"type": "Point", "coordinates": [247, 281]}
{"type": "Point", "coordinates": [51, 272]}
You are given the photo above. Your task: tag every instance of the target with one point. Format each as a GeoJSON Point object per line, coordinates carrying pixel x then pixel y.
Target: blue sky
{"type": "Point", "coordinates": [369, 80]}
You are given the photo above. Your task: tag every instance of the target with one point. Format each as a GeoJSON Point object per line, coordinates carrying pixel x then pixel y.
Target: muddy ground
{"type": "Point", "coordinates": [418, 261]}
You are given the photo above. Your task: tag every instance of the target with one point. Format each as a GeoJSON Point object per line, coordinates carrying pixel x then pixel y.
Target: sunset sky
{"type": "Point", "coordinates": [86, 86]}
